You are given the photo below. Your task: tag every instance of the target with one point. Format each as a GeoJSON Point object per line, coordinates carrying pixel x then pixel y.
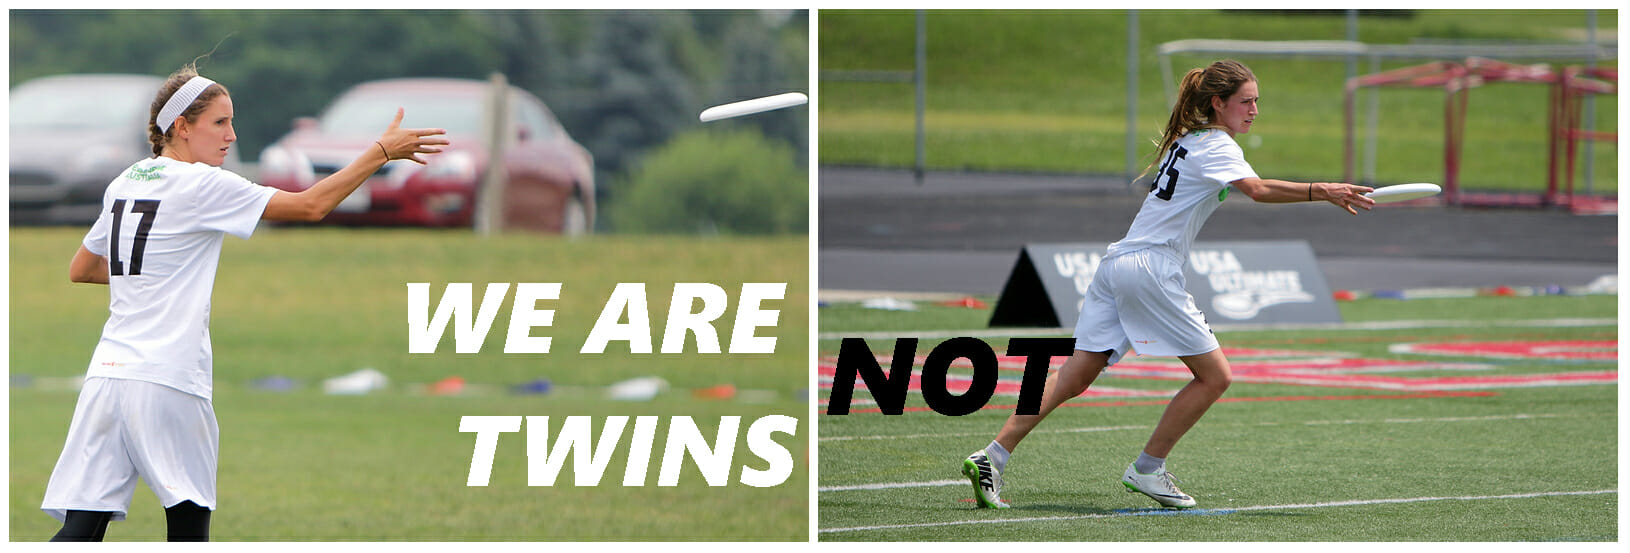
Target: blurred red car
{"type": "Point", "coordinates": [549, 177]}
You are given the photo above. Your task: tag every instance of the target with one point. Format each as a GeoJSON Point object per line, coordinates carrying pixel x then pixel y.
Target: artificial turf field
{"type": "Point", "coordinates": [1508, 432]}
{"type": "Point", "coordinates": [308, 304]}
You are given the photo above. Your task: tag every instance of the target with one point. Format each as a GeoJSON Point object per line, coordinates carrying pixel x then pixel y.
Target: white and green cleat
{"type": "Point", "coordinates": [1160, 486]}
{"type": "Point", "coordinates": [987, 481]}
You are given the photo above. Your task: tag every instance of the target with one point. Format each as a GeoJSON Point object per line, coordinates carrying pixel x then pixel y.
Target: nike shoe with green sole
{"type": "Point", "coordinates": [987, 481]}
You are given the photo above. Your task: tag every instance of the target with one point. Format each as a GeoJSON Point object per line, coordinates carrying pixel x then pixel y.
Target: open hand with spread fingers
{"type": "Point", "coordinates": [400, 143]}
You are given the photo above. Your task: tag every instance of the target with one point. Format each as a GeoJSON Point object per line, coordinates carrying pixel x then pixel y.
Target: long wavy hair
{"type": "Point", "coordinates": [1193, 110]}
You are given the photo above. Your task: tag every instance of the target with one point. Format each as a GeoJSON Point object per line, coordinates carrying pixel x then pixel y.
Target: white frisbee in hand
{"type": "Point", "coordinates": [756, 105]}
{"type": "Point", "coordinates": [1403, 192]}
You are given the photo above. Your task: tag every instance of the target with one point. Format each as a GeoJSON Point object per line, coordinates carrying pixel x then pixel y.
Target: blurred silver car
{"type": "Point", "coordinates": [71, 135]}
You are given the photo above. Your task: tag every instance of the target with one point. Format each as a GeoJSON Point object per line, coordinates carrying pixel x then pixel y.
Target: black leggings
{"type": "Point", "coordinates": [186, 521]}
{"type": "Point", "coordinates": [83, 526]}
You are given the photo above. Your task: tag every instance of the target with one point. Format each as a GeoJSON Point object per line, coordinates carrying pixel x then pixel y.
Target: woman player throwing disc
{"type": "Point", "coordinates": [145, 409]}
{"type": "Point", "coordinates": [1138, 296]}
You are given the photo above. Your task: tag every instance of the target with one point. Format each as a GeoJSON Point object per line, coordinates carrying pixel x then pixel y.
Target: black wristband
{"type": "Point", "coordinates": [388, 155]}
{"type": "Point", "coordinates": [1310, 191]}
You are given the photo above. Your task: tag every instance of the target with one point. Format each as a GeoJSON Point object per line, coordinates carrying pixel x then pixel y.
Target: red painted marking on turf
{"type": "Point", "coordinates": [1343, 375]}
{"type": "Point", "coordinates": [1483, 382]}
{"type": "Point", "coordinates": [959, 384]}
{"type": "Point", "coordinates": [1312, 368]}
{"type": "Point", "coordinates": [1422, 395]}
{"type": "Point", "coordinates": [1280, 366]}
{"type": "Point", "coordinates": [1016, 363]}
{"type": "Point", "coordinates": [1595, 350]}
{"type": "Point", "coordinates": [1536, 336]}
{"type": "Point", "coordinates": [1248, 353]}
{"type": "Point", "coordinates": [1337, 373]}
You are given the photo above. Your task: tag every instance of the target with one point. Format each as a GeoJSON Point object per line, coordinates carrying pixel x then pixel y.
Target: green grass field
{"type": "Point", "coordinates": [310, 304]}
{"type": "Point", "coordinates": [1272, 461]}
{"type": "Point", "coordinates": [1046, 91]}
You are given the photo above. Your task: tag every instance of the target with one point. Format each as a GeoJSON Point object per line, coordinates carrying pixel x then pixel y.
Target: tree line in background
{"type": "Point", "coordinates": [623, 83]}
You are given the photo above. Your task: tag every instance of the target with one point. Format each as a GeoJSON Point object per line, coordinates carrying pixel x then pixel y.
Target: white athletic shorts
{"type": "Point", "coordinates": [1137, 301]}
{"type": "Point", "coordinates": [127, 428]}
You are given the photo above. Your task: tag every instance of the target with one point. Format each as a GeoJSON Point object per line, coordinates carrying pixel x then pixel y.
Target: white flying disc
{"type": "Point", "coordinates": [1402, 192]}
{"type": "Point", "coordinates": [756, 105]}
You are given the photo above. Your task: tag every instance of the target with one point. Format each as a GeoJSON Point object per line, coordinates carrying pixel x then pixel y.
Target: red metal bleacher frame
{"type": "Point", "coordinates": [1457, 79]}
{"type": "Point", "coordinates": [1570, 87]}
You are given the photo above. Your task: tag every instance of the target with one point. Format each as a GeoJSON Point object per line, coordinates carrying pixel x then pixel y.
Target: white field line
{"type": "Point", "coordinates": [1442, 419]}
{"type": "Point", "coordinates": [968, 434]}
{"type": "Point", "coordinates": [895, 485]}
{"type": "Point", "coordinates": [1225, 327]}
{"type": "Point", "coordinates": [1518, 416]}
{"type": "Point", "coordinates": [1192, 512]}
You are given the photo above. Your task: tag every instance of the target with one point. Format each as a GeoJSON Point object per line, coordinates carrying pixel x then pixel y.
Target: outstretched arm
{"type": "Point", "coordinates": [88, 267]}
{"type": "Point", "coordinates": [1342, 195]}
{"type": "Point", "coordinates": [314, 203]}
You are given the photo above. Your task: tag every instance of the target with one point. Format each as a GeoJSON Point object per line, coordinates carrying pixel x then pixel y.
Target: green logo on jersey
{"type": "Point", "coordinates": [150, 174]}
{"type": "Point", "coordinates": [1223, 195]}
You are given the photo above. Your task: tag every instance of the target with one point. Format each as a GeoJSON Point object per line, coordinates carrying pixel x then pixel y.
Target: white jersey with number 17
{"type": "Point", "coordinates": [161, 229]}
{"type": "Point", "coordinates": [1190, 183]}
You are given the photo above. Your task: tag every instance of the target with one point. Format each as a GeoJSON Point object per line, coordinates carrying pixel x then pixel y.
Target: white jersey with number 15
{"type": "Point", "coordinates": [1191, 181]}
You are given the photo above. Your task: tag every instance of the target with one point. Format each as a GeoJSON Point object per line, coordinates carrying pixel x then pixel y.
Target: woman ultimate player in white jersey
{"type": "Point", "coordinates": [145, 409]}
{"type": "Point", "coordinates": [1137, 298]}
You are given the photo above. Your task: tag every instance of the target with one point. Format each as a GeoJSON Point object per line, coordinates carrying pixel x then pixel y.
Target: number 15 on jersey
{"type": "Point", "coordinates": [1168, 170]}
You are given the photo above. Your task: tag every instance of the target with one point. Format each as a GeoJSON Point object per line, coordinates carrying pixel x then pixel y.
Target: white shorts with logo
{"type": "Point", "coordinates": [127, 428]}
{"type": "Point", "coordinates": [1137, 301]}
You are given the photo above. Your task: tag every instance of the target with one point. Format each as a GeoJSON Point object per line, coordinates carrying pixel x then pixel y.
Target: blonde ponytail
{"type": "Point", "coordinates": [1193, 110]}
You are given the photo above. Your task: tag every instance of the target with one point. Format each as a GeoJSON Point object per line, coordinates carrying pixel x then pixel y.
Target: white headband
{"type": "Point", "coordinates": [180, 101]}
